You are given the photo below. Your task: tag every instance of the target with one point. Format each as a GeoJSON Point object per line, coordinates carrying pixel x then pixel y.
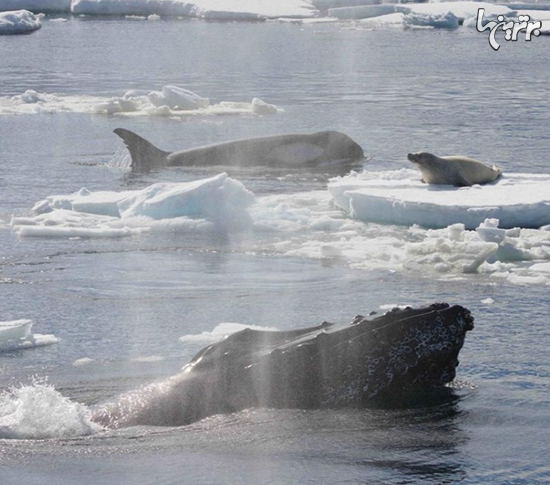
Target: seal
{"type": "Point", "coordinates": [326, 149]}
{"type": "Point", "coordinates": [454, 170]}
{"type": "Point", "coordinates": [380, 359]}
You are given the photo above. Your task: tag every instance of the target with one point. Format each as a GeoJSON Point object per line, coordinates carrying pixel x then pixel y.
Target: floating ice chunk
{"type": "Point", "coordinates": [212, 203]}
{"type": "Point", "coordinates": [83, 361]}
{"type": "Point", "coordinates": [328, 4]}
{"type": "Point", "coordinates": [488, 301]}
{"type": "Point", "coordinates": [330, 251]}
{"type": "Point", "coordinates": [16, 335]}
{"type": "Point", "coordinates": [219, 198]}
{"type": "Point", "coordinates": [447, 255]}
{"type": "Point", "coordinates": [391, 20]}
{"type": "Point", "coordinates": [260, 107]}
{"type": "Point", "coordinates": [38, 411]}
{"type": "Point", "coordinates": [488, 230]}
{"type": "Point", "coordinates": [461, 9]}
{"type": "Point", "coordinates": [362, 12]}
{"type": "Point", "coordinates": [399, 197]}
{"type": "Point", "coordinates": [208, 9]}
{"type": "Point", "coordinates": [177, 98]}
{"type": "Point", "coordinates": [15, 330]}
{"type": "Point", "coordinates": [172, 101]}
{"type": "Point", "coordinates": [436, 21]}
{"type": "Point", "coordinates": [18, 22]}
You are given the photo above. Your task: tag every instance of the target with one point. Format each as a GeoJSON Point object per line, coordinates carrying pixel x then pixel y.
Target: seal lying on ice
{"type": "Point", "coordinates": [326, 149]}
{"type": "Point", "coordinates": [375, 358]}
{"type": "Point", "coordinates": [455, 170]}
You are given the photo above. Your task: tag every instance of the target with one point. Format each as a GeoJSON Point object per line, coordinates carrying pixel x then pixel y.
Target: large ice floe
{"type": "Point", "coordinates": [207, 9]}
{"type": "Point", "coordinates": [16, 335]}
{"type": "Point", "coordinates": [18, 22]}
{"type": "Point", "coordinates": [399, 197]}
{"type": "Point", "coordinates": [215, 203]}
{"type": "Point", "coordinates": [318, 225]}
{"type": "Point", "coordinates": [361, 13]}
{"type": "Point", "coordinates": [172, 101]}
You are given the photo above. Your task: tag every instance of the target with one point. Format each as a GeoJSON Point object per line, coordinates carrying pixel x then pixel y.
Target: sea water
{"type": "Point", "coordinates": [128, 311]}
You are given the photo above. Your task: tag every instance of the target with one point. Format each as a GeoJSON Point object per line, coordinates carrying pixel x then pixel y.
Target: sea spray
{"type": "Point", "coordinates": [39, 411]}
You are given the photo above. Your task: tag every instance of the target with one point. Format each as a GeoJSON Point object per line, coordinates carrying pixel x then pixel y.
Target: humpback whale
{"type": "Point", "coordinates": [327, 366]}
{"type": "Point", "coordinates": [326, 149]}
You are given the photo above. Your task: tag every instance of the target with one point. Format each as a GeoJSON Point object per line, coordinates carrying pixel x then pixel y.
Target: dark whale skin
{"type": "Point", "coordinates": [376, 358]}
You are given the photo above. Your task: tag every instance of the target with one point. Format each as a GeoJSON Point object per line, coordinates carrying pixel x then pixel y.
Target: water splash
{"type": "Point", "coordinates": [39, 411]}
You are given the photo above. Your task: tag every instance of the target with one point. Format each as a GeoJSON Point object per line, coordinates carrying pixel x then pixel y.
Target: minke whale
{"type": "Point", "coordinates": [374, 359]}
{"type": "Point", "coordinates": [327, 149]}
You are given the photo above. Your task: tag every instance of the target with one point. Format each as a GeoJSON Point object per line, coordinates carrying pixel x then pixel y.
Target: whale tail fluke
{"type": "Point", "coordinates": [144, 154]}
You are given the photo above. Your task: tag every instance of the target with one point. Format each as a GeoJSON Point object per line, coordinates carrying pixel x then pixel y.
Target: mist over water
{"type": "Point", "coordinates": [125, 310]}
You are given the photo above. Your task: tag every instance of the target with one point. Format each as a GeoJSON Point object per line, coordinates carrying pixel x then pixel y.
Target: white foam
{"type": "Point", "coordinates": [18, 22]}
{"type": "Point", "coordinates": [38, 411]}
{"type": "Point", "coordinates": [172, 102]}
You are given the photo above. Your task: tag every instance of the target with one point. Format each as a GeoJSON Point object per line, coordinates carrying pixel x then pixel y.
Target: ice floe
{"type": "Point", "coordinates": [399, 197]}
{"type": "Point", "coordinates": [16, 335]}
{"type": "Point", "coordinates": [317, 224]}
{"type": "Point", "coordinates": [207, 204]}
{"type": "Point", "coordinates": [207, 9]}
{"type": "Point", "coordinates": [18, 22]}
{"type": "Point", "coordinates": [172, 101]}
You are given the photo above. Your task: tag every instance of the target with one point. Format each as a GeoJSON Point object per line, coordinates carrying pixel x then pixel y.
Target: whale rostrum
{"type": "Point", "coordinates": [376, 358]}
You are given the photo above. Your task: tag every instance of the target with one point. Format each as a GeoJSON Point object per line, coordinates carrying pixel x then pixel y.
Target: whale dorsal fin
{"type": "Point", "coordinates": [144, 154]}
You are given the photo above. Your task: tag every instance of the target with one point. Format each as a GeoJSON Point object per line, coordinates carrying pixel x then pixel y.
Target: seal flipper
{"type": "Point", "coordinates": [144, 154]}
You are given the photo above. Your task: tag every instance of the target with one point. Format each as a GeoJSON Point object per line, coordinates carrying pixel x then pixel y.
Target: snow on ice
{"type": "Point", "coordinates": [207, 204]}
{"type": "Point", "coordinates": [18, 22]}
{"type": "Point", "coordinates": [172, 101]}
{"type": "Point", "coordinates": [317, 224]}
{"type": "Point", "coordinates": [399, 197]}
{"type": "Point", "coordinates": [16, 335]}
{"type": "Point", "coordinates": [207, 9]}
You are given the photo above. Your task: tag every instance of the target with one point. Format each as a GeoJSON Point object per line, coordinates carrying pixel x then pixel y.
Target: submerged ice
{"type": "Point", "coordinates": [464, 239]}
